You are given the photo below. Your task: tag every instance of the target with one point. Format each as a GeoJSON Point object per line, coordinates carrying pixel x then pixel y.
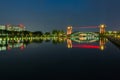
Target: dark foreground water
{"type": "Point", "coordinates": [44, 61]}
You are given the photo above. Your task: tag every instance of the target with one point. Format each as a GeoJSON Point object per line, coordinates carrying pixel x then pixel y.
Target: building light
{"type": "Point", "coordinates": [102, 26]}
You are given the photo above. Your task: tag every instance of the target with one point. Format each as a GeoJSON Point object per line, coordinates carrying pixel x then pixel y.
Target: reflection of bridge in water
{"type": "Point", "coordinates": [8, 44]}
{"type": "Point", "coordinates": [87, 43]}
{"type": "Point", "coordinates": [84, 37]}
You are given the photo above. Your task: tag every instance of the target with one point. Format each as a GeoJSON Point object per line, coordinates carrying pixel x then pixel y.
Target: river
{"type": "Point", "coordinates": [59, 60]}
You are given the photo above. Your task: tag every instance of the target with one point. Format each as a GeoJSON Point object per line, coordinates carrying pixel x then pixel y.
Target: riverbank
{"type": "Point", "coordinates": [114, 40]}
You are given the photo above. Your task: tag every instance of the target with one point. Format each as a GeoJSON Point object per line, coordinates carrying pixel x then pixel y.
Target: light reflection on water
{"type": "Point", "coordinates": [58, 57]}
{"type": "Point", "coordinates": [83, 42]}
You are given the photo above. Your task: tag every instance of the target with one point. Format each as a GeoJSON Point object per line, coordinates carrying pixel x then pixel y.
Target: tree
{"type": "Point", "coordinates": [37, 33]}
{"type": "Point", "coordinates": [55, 32]}
{"type": "Point", "coordinates": [47, 33]}
{"type": "Point", "coordinates": [58, 32]}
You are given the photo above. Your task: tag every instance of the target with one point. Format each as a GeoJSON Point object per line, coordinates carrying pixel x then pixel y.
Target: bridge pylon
{"type": "Point", "coordinates": [102, 28]}
{"type": "Point", "coordinates": [69, 30]}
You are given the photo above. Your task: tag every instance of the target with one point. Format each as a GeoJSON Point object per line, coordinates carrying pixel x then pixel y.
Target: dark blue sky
{"type": "Point", "coordinates": [46, 15]}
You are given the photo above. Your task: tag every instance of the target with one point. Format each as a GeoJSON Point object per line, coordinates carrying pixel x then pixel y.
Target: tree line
{"type": "Point", "coordinates": [54, 33]}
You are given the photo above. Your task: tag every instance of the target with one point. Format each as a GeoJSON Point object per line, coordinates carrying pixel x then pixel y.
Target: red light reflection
{"type": "Point", "coordinates": [22, 47]}
{"type": "Point", "coordinates": [86, 46]}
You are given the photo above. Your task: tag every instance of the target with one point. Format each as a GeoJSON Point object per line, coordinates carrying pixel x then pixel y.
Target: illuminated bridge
{"type": "Point", "coordinates": [71, 33]}
{"type": "Point", "coordinates": [86, 37]}
{"type": "Point", "coordinates": [82, 37]}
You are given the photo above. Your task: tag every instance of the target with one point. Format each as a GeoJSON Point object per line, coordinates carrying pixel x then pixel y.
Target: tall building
{"type": "Point", "coordinates": [69, 30]}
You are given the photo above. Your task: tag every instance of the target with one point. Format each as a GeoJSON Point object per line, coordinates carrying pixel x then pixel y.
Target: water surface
{"type": "Point", "coordinates": [59, 59]}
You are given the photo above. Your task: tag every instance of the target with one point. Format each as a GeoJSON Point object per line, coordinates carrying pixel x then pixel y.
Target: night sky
{"type": "Point", "coordinates": [46, 15]}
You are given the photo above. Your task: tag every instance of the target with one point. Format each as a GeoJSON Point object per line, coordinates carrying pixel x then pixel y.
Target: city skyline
{"type": "Point", "coordinates": [46, 15]}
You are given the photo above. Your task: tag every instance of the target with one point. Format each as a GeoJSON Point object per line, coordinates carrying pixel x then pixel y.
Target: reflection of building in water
{"type": "Point", "coordinates": [16, 45]}
{"type": "Point", "coordinates": [69, 43]}
{"type": "Point", "coordinates": [8, 45]}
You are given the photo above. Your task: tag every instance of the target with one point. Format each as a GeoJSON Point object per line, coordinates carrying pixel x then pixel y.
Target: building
{"type": "Point", "coordinates": [19, 27]}
{"type": "Point", "coordinates": [2, 27]}
{"type": "Point", "coordinates": [10, 27]}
